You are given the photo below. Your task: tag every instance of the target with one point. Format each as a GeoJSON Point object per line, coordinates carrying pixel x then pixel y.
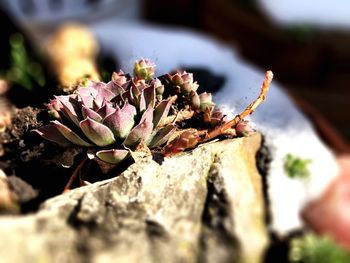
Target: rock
{"type": "Point", "coordinates": [8, 200]}
{"type": "Point", "coordinates": [205, 205]}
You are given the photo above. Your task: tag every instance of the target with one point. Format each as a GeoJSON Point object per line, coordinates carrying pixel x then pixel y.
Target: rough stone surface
{"type": "Point", "coordinates": [201, 206]}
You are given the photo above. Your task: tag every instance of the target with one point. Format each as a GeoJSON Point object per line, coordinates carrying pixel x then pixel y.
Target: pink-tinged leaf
{"type": "Point", "coordinates": [119, 78]}
{"type": "Point", "coordinates": [115, 88]}
{"type": "Point", "coordinates": [121, 121]}
{"type": "Point", "coordinates": [206, 101]}
{"type": "Point", "coordinates": [187, 139]}
{"type": "Point", "coordinates": [106, 110]}
{"type": "Point", "coordinates": [88, 92]}
{"type": "Point", "coordinates": [51, 133]}
{"type": "Point", "coordinates": [95, 105]}
{"type": "Point", "coordinates": [135, 91]}
{"type": "Point", "coordinates": [130, 97]}
{"type": "Point", "coordinates": [176, 79]}
{"type": "Point", "coordinates": [141, 131]}
{"type": "Point", "coordinates": [161, 111]}
{"type": "Point", "coordinates": [195, 101]}
{"type": "Point", "coordinates": [243, 128]}
{"type": "Point", "coordinates": [142, 102]}
{"type": "Point", "coordinates": [69, 109]}
{"type": "Point", "coordinates": [98, 133]}
{"type": "Point", "coordinates": [103, 94]}
{"type": "Point", "coordinates": [91, 114]}
{"type": "Point", "coordinates": [70, 135]}
{"type": "Point", "coordinates": [112, 156]}
{"type": "Point", "coordinates": [150, 96]}
{"type": "Point", "coordinates": [86, 101]}
{"type": "Point", "coordinates": [54, 104]}
{"type": "Point", "coordinates": [161, 136]}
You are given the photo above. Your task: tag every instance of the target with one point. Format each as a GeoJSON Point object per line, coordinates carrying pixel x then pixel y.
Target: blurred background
{"type": "Point", "coordinates": [305, 43]}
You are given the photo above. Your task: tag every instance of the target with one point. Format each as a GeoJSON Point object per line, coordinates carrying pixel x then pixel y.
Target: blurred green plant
{"type": "Point", "coordinates": [296, 167]}
{"type": "Point", "coordinates": [316, 249]}
{"type": "Point", "coordinates": [23, 71]}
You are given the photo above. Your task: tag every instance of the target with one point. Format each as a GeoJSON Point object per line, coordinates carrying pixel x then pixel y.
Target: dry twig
{"type": "Point", "coordinates": [74, 175]}
{"type": "Point", "coordinates": [249, 110]}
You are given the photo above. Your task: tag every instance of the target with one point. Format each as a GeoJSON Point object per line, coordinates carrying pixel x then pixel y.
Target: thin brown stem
{"type": "Point", "coordinates": [75, 174]}
{"type": "Point", "coordinates": [248, 110]}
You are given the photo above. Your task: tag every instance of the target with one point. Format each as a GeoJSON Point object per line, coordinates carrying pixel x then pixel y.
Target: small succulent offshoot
{"type": "Point", "coordinates": [111, 120]}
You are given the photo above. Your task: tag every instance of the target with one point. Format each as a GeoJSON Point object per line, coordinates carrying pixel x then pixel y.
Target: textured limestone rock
{"type": "Point", "coordinates": [201, 206]}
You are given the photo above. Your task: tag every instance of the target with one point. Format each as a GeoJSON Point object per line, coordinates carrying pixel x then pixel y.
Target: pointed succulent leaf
{"type": "Point", "coordinates": [161, 111]}
{"type": "Point", "coordinates": [106, 110]}
{"type": "Point", "coordinates": [86, 112]}
{"type": "Point", "coordinates": [103, 95]}
{"type": "Point", "coordinates": [112, 156]}
{"type": "Point", "coordinates": [243, 128]}
{"type": "Point", "coordinates": [161, 136]}
{"type": "Point", "coordinates": [144, 69]}
{"type": "Point", "coordinates": [187, 87]}
{"type": "Point", "coordinates": [51, 133]}
{"type": "Point", "coordinates": [184, 80]}
{"type": "Point", "coordinates": [217, 117]}
{"type": "Point", "coordinates": [150, 96]}
{"type": "Point", "coordinates": [135, 91]}
{"type": "Point", "coordinates": [195, 101]}
{"type": "Point", "coordinates": [141, 131]}
{"type": "Point", "coordinates": [70, 135]}
{"type": "Point", "coordinates": [142, 102]}
{"type": "Point", "coordinates": [176, 79]}
{"type": "Point", "coordinates": [70, 109]}
{"type": "Point", "coordinates": [54, 104]}
{"type": "Point", "coordinates": [206, 101]}
{"type": "Point", "coordinates": [97, 132]}
{"type": "Point", "coordinates": [159, 87]}
{"type": "Point", "coordinates": [119, 78]}
{"type": "Point", "coordinates": [86, 101]}
{"type": "Point", "coordinates": [129, 96]}
{"type": "Point", "coordinates": [121, 121]}
{"type": "Point", "coordinates": [129, 109]}
{"type": "Point", "coordinates": [89, 90]}
{"type": "Point", "coordinates": [115, 88]}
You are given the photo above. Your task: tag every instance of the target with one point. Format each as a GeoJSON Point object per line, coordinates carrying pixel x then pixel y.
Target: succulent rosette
{"type": "Point", "coordinates": [129, 112]}
{"type": "Point", "coordinates": [112, 118]}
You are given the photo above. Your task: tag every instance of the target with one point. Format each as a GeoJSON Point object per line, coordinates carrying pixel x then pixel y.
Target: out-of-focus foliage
{"type": "Point", "coordinates": [317, 249]}
{"type": "Point", "coordinates": [296, 167]}
{"type": "Point", "coordinates": [23, 71]}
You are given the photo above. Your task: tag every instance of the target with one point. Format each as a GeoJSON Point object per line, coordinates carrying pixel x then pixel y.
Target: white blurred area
{"type": "Point", "coordinates": [319, 13]}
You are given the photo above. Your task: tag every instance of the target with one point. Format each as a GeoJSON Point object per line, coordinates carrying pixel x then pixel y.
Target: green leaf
{"type": "Point", "coordinates": [70, 135]}
{"type": "Point", "coordinates": [141, 131]}
{"type": "Point", "coordinates": [317, 249]}
{"type": "Point", "coordinates": [112, 156]}
{"type": "Point", "coordinates": [296, 167]}
{"type": "Point", "coordinates": [98, 133]}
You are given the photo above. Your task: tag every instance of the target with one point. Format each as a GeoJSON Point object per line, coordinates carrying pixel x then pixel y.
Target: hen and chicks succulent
{"type": "Point", "coordinates": [112, 119]}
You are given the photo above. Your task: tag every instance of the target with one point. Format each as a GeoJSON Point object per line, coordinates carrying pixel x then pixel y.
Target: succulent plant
{"type": "Point", "coordinates": [111, 117]}
{"type": "Point", "coordinates": [144, 69]}
{"type": "Point", "coordinates": [183, 81]}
